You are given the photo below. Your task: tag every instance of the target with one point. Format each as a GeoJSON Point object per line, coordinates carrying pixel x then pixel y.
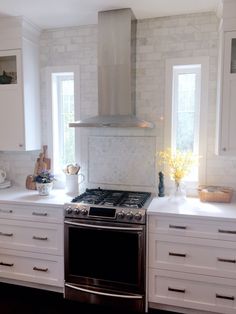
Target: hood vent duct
{"type": "Point", "coordinates": [116, 72]}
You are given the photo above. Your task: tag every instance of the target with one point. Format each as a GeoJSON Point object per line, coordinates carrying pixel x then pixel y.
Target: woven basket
{"type": "Point", "coordinates": [220, 194]}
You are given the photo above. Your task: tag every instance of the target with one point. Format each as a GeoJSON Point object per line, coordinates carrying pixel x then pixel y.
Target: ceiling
{"type": "Point", "coordinates": [63, 13]}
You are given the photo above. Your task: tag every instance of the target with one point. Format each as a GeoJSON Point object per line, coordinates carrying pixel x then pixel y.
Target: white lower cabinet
{"type": "Point", "coordinates": [31, 245]}
{"type": "Point", "coordinates": [192, 264]}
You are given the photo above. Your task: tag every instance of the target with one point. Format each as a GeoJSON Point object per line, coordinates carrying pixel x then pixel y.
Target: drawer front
{"type": "Point", "coordinates": [177, 289]}
{"type": "Point", "coordinates": [33, 237]}
{"type": "Point", "coordinates": [200, 228]}
{"type": "Point", "coordinates": [193, 255]}
{"type": "Point", "coordinates": [41, 213]}
{"type": "Point", "coordinates": [37, 268]}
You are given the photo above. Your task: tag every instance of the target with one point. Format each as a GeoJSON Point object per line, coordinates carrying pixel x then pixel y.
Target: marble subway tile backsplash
{"type": "Point", "coordinates": [122, 160]}
{"type": "Point", "coordinates": [18, 165]}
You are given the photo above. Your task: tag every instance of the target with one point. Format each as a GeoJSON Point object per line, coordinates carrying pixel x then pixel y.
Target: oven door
{"type": "Point", "coordinates": [105, 258]}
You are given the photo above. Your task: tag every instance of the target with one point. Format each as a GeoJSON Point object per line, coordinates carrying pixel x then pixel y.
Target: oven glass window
{"type": "Point", "coordinates": [104, 254]}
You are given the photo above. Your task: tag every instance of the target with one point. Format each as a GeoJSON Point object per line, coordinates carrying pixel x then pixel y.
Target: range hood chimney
{"type": "Point", "coordinates": [116, 77]}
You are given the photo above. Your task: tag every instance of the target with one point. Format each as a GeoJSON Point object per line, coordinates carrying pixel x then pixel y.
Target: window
{"type": "Point", "coordinates": [62, 105]}
{"type": "Point", "coordinates": [186, 110]}
{"type": "Point", "coordinates": [63, 112]}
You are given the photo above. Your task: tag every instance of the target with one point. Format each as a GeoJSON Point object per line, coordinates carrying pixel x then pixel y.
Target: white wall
{"type": "Point", "coordinates": [158, 39]}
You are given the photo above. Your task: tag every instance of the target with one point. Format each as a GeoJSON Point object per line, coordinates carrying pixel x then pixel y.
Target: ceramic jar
{"type": "Point", "coordinates": [44, 188]}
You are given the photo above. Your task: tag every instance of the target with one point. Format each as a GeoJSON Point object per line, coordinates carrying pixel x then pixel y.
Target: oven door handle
{"type": "Point", "coordinates": [103, 227]}
{"type": "Point", "coordinates": [104, 293]}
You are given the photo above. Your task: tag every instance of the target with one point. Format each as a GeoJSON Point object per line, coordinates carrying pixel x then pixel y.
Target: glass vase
{"type": "Point", "coordinates": [178, 193]}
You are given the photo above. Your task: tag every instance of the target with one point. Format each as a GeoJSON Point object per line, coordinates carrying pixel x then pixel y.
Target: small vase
{"type": "Point", "coordinates": [44, 188]}
{"type": "Point", "coordinates": [178, 193]}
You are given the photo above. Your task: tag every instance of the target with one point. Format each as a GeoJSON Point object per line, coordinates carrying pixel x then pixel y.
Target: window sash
{"type": "Point", "coordinates": [177, 71]}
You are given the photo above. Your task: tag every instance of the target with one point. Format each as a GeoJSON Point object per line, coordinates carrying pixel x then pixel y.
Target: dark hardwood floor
{"type": "Point", "coordinates": [22, 300]}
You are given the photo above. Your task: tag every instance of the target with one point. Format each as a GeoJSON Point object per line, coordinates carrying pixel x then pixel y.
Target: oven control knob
{"type": "Point", "coordinates": [121, 215]}
{"type": "Point", "coordinates": [129, 215]}
{"type": "Point", "coordinates": [68, 210]}
{"type": "Point", "coordinates": [138, 216]}
{"type": "Point", "coordinates": [76, 211]}
{"type": "Point", "coordinates": [84, 211]}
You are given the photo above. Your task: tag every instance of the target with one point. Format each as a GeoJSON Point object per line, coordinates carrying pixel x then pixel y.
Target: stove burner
{"type": "Point", "coordinates": [99, 196]}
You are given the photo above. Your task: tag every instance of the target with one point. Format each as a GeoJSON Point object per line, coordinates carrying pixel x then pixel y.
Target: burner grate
{"type": "Point", "coordinates": [99, 196]}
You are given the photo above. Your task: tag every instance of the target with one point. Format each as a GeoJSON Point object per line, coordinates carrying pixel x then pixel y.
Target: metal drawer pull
{"type": "Point", "coordinates": [39, 214]}
{"type": "Point", "coordinates": [6, 264]}
{"type": "Point", "coordinates": [6, 234]}
{"type": "Point", "coordinates": [226, 231]}
{"type": "Point", "coordinates": [177, 227]}
{"type": "Point", "coordinates": [219, 296]}
{"type": "Point", "coordinates": [40, 238]}
{"type": "Point", "coordinates": [104, 293]}
{"type": "Point", "coordinates": [40, 269]}
{"type": "Point", "coordinates": [177, 254]}
{"type": "Point", "coordinates": [225, 260]}
{"type": "Point", "coordinates": [176, 290]}
{"type": "Point", "coordinates": [6, 211]}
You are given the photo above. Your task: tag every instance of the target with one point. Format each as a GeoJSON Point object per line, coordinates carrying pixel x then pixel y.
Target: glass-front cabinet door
{"type": "Point", "coordinates": [11, 99]}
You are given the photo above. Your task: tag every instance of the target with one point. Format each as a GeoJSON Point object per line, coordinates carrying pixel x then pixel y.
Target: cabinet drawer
{"type": "Point", "coordinates": [192, 291]}
{"type": "Point", "coordinates": [40, 213]}
{"type": "Point", "coordinates": [193, 255]}
{"type": "Point", "coordinates": [34, 237]}
{"type": "Point", "coordinates": [32, 267]}
{"type": "Point", "coordinates": [213, 229]}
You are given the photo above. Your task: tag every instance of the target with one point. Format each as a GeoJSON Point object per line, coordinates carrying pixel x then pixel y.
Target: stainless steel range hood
{"type": "Point", "coordinates": [116, 72]}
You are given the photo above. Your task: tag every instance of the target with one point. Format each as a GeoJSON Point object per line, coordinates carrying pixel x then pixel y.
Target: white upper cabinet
{"type": "Point", "coordinates": [227, 100]}
{"type": "Point", "coordinates": [19, 94]}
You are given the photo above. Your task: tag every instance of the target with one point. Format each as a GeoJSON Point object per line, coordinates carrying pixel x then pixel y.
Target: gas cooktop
{"type": "Point", "coordinates": [115, 198]}
{"type": "Point", "coordinates": [126, 206]}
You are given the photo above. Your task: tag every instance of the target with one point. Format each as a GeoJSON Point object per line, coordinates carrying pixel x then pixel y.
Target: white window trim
{"type": "Point", "coordinates": [48, 73]}
{"type": "Point", "coordinates": [204, 62]}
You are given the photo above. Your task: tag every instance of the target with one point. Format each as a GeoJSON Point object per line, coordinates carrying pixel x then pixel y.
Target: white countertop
{"type": "Point", "coordinates": [192, 207]}
{"type": "Point", "coordinates": [21, 195]}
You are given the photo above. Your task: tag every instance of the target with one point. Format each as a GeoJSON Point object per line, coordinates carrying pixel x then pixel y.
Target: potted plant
{"type": "Point", "coordinates": [44, 182]}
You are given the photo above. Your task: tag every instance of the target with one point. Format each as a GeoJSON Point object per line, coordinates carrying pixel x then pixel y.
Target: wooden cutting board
{"type": "Point", "coordinates": [46, 160]}
{"type": "Point", "coordinates": [42, 163]}
{"type": "Point", "coordinates": [30, 184]}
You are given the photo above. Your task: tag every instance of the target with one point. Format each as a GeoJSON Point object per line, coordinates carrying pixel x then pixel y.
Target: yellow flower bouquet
{"type": "Point", "coordinates": [179, 163]}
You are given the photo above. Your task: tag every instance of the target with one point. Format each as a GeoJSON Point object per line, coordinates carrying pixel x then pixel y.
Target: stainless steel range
{"type": "Point", "coordinates": [105, 248]}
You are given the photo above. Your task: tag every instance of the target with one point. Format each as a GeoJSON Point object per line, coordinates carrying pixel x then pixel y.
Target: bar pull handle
{"type": "Point", "coordinates": [6, 234]}
{"type": "Point", "coordinates": [39, 214]}
{"type": "Point", "coordinates": [227, 231]}
{"type": "Point", "coordinates": [40, 238]}
{"type": "Point", "coordinates": [225, 260]}
{"type": "Point", "coordinates": [177, 227]}
{"type": "Point", "coordinates": [226, 297]}
{"type": "Point", "coordinates": [40, 269]}
{"type": "Point", "coordinates": [6, 211]}
{"type": "Point", "coordinates": [176, 290]}
{"type": "Point", "coordinates": [7, 264]}
{"type": "Point", "coordinates": [177, 254]}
